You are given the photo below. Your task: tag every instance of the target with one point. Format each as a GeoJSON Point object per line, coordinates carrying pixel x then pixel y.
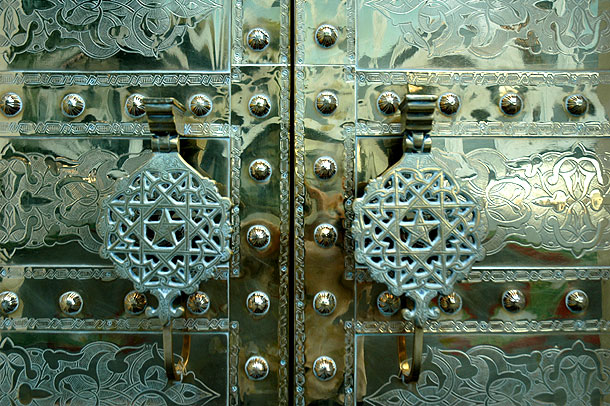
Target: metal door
{"type": "Point", "coordinates": [511, 199]}
{"type": "Point", "coordinates": [113, 247]}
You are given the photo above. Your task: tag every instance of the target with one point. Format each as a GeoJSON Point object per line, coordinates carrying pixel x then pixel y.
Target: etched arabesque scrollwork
{"type": "Point", "coordinates": [551, 200]}
{"type": "Point", "coordinates": [47, 200]}
{"type": "Point", "coordinates": [486, 375]}
{"type": "Point", "coordinates": [487, 28]}
{"type": "Point", "coordinates": [100, 29]}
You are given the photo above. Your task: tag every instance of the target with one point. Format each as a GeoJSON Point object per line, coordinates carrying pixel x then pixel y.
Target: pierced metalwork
{"type": "Point", "coordinates": [200, 105]}
{"type": "Point", "coordinates": [71, 303]}
{"type": "Point", "coordinates": [324, 302]}
{"type": "Point", "coordinates": [258, 303]}
{"type": "Point", "coordinates": [451, 303]}
{"type": "Point", "coordinates": [513, 300]}
{"type": "Point", "coordinates": [258, 39]}
{"type": "Point", "coordinates": [388, 103]}
{"type": "Point", "coordinates": [324, 368]}
{"type": "Point", "coordinates": [511, 104]}
{"type": "Point", "coordinates": [135, 302]}
{"type": "Point", "coordinates": [417, 231]}
{"type": "Point", "coordinates": [577, 301]}
{"type": "Point", "coordinates": [326, 35]}
{"type": "Point", "coordinates": [388, 304]}
{"type": "Point", "coordinates": [325, 167]}
{"type": "Point", "coordinates": [11, 104]}
{"type": "Point", "coordinates": [449, 104]}
{"type": "Point", "coordinates": [260, 170]}
{"type": "Point", "coordinates": [259, 237]}
{"type": "Point", "coordinates": [72, 105]}
{"type": "Point", "coordinates": [9, 302]}
{"type": "Point", "coordinates": [257, 368]}
{"type": "Point", "coordinates": [259, 106]}
{"type": "Point", "coordinates": [576, 105]}
{"type": "Point", "coordinates": [134, 106]}
{"type": "Point", "coordinates": [325, 235]}
{"type": "Point", "coordinates": [198, 303]}
{"type": "Point", "coordinates": [326, 102]}
{"type": "Point", "coordinates": [166, 228]}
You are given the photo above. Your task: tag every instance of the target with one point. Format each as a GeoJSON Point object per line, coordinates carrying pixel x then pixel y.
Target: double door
{"type": "Point", "coordinates": [354, 202]}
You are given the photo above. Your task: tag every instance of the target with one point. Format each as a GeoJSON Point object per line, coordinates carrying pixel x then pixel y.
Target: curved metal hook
{"type": "Point", "coordinates": [175, 371]}
{"type": "Point", "coordinates": [410, 369]}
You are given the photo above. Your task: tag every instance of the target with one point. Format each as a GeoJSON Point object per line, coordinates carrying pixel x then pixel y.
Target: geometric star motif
{"type": "Point", "coordinates": [417, 231]}
{"type": "Point", "coordinates": [166, 229]}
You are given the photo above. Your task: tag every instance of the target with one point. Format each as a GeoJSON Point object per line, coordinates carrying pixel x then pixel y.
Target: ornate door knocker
{"type": "Point", "coordinates": [416, 228]}
{"type": "Point", "coordinates": [166, 227]}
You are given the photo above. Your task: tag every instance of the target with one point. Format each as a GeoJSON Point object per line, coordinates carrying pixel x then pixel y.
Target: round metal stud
{"type": "Point", "coordinates": [257, 368]}
{"type": "Point", "coordinates": [511, 104]}
{"type": "Point", "coordinates": [451, 303]}
{"type": "Point", "coordinates": [259, 106]}
{"type": "Point", "coordinates": [198, 302]}
{"type": "Point", "coordinates": [258, 39]}
{"type": "Point", "coordinates": [449, 103]}
{"type": "Point", "coordinates": [577, 301]}
{"type": "Point", "coordinates": [325, 235]}
{"type": "Point", "coordinates": [259, 237]}
{"type": "Point", "coordinates": [71, 303]}
{"type": "Point", "coordinates": [326, 102]}
{"type": "Point", "coordinates": [260, 170]}
{"type": "Point", "coordinates": [388, 103]}
{"type": "Point", "coordinates": [576, 105]}
{"type": "Point", "coordinates": [324, 368]}
{"type": "Point", "coordinates": [387, 303]}
{"type": "Point", "coordinates": [9, 302]}
{"type": "Point", "coordinates": [11, 104]}
{"type": "Point", "coordinates": [325, 167]}
{"type": "Point", "coordinates": [135, 302]}
{"type": "Point", "coordinates": [200, 105]}
{"type": "Point", "coordinates": [258, 303]}
{"type": "Point", "coordinates": [134, 106]}
{"type": "Point", "coordinates": [324, 302]}
{"type": "Point", "coordinates": [513, 300]}
{"type": "Point", "coordinates": [72, 105]}
{"type": "Point", "coordinates": [326, 35]}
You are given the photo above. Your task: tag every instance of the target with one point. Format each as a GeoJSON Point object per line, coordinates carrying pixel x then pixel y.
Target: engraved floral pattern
{"type": "Point", "coordinates": [553, 200]}
{"type": "Point", "coordinates": [486, 375]}
{"type": "Point", "coordinates": [101, 373]}
{"type": "Point", "coordinates": [99, 28]}
{"type": "Point", "coordinates": [486, 28]}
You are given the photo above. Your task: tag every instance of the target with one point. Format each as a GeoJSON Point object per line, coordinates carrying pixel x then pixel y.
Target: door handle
{"type": "Point", "coordinates": [417, 228]}
{"type": "Point", "coordinates": [166, 227]}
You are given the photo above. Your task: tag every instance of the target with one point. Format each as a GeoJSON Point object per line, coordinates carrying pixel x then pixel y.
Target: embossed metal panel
{"type": "Point", "coordinates": [518, 164]}
{"type": "Point", "coordinates": [116, 243]}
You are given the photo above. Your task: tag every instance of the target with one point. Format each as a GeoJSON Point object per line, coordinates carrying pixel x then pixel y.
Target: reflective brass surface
{"type": "Point", "coordinates": [11, 104]}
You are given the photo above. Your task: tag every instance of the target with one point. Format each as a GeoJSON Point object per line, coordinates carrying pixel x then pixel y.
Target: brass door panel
{"type": "Point", "coordinates": [77, 81]}
{"type": "Point", "coordinates": [518, 130]}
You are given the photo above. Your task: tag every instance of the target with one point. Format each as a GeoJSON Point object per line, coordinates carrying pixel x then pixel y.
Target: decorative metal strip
{"type": "Point", "coordinates": [349, 194]}
{"type": "Point", "coordinates": [236, 150]}
{"type": "Point", "coordinates": [437, 27]}
{"type": "Point", "coordinates": [285, 207]}
{"type": "Point", "coordinates": [299, 223]}
{"type": "Point", "coordinates": [234, 364]}
{"type": "Point", "coordinates": [484, 78]}
{"type": "Point", "coordinates": [568, 376]}
{"type": "Point", "coordinates": [494, 128]}
{"type": "Point", "coordinates": [350, 361]}
{"type": "Point", "coordinates": [518, 275]}
{"type": "Point", "coordinates": [482, 326]}
{"type": "Point", "coordinates": [118, 324]}
{"type": "Point", "coordinates": [237, 21]}
{"type": "Point", "coordinates": [115, 79]}
{"type": "Point", "coordinates": [75, 273]}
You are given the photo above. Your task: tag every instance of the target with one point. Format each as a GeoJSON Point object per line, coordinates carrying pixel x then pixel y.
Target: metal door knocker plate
{"type": "Point", "coordinates": [416, 228]}
{"type": "Point", "coordinates": [165, 227]}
